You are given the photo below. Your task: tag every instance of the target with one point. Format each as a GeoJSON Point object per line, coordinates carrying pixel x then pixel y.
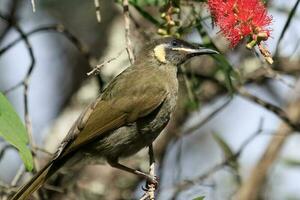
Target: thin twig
{"type": "Point", "coordinates": [96, 70]}
{"type": "Point", "coordinates": [207, 118]}
{"type": "Point", "coordinates": [33, 5]}
{"type": "Point", "coordinates": [37, 148]}
{"type": "Point", "coordinates": [53, 188]}
{"type": "Point", "coordinates": [189, 183]}
{"type": "Point", "coordinates": [97, 7]}
{"type": "Point", "coordinates": [26, 86]}
{"type": "Point", "coordinates": [127, 31]}
{"type": "Point", "coordinates": [13, 87]}
{"type": "Point", "coordinates": [277, 76]}
{"type": "Point", "coordinates": [56, 28]}
{"type": "Point", "coordinates": [275, 109]}
{"type": "Point", "coordinates": [287, 24]}
{"type": "Point", "coordinates": [18, 176]}
{"type": "Point", "coordinates": [251, 187]}
{"type": "Point", "coordinates": [5, 147]}
{"type": "Point", "coordinates": [11, 18]}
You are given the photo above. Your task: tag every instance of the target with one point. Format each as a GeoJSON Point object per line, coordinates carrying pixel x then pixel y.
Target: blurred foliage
{"type": "Point", "coordinates": [291, 162]}
{"type": "Point", "coordinates": [13, 131]}
{"type": "Point", "coordinates": [199, 198]}
{"type": "Point", "coordinates": [227, 151]}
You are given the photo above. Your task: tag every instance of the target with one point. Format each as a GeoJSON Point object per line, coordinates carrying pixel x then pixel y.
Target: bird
{"type": "Point", "coordinates": [127, 116]}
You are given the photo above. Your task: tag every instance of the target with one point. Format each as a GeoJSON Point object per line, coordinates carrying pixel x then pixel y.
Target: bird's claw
{"type": "Point", "coordinates": [151, 181]}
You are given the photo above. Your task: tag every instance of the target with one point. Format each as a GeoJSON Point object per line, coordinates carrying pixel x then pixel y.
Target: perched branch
{"type": "Point", "coordinates": [151, 186]}
{"type": "Point", "coordinates": [150, 191]}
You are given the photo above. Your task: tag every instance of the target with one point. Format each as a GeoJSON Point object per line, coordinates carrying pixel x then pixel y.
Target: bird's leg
{"type": "Point", "coordinates": [150, 187]}
{"type": "Point", "coordinates": [117, 165]}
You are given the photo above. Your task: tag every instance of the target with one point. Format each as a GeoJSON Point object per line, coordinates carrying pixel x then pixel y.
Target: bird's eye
{"type": "Point", "coordinates": [174, 43]}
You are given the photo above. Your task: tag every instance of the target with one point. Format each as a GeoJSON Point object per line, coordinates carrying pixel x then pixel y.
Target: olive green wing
{"type": "Point", "coordinates": [106, 115]}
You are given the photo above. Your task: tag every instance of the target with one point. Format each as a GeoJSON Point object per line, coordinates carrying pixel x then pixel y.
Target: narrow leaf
{"type": "Point", "coordinates": [291, 162]}
{"type": "Point", "coordinates": [199, 198]}
{"type": "Point", "coordinates": [228, 153]}
{"type": "Point", "coordinates": [12, 130]}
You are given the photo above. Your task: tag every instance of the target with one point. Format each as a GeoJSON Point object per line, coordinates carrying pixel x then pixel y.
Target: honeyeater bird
{"type": "Point", "coordinates": [129, 114]}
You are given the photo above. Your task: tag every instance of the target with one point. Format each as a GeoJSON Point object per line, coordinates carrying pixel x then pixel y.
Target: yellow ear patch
{"type": "Point", "coordinates": [160, 53]}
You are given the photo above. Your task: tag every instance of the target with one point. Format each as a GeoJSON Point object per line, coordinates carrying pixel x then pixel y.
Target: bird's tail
{"type": "Point", "coordinates": [35, 183]}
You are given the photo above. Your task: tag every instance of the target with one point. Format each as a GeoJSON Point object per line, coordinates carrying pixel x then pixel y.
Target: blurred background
{"type": "Point", "coordinates": [219, 144]}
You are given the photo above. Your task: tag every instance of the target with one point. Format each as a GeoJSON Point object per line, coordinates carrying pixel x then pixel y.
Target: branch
{"type": "Point", "coordinates": [207, 118]}
{"type": "Point", "coordinates": [190, 183]}
{"type": "Point", "coordinates": [275, 109]}
{"type": "Point", "coordinates": [251, 187]}
{"type": "Point", "coordinates": [96, 70]}
{"type": "Point", "coordinates": [33, 5]}
{"type": "Point", "coordinates": [97, 7]}
{"type": "Point", "coordinates": [287, 24]}
{"type": "Point", "coordinates": [127, 31]}
{"type": "Point", "coordinates": [56, 28]}
{"type": "Point", "coordinates": [18, 176]}
{"type": "Point", "coordinates": [25, 83]}
{"type": "Point", "coordinates": [11, 18]}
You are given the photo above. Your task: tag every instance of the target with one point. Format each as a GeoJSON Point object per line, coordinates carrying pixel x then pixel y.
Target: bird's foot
{"type": "Point", "coordinates": [152, 181]}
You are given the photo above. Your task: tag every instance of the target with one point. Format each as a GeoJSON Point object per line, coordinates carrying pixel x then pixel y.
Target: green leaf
{"type": "Point", "coordinates": [224, 146]}
{"type": "Point", "coordinates": [192, 105]}
{"type": "Point", "coordinates": [291, 162]}
{"type": "Point", "coordinates": [13, 131]}
{"type": "Point", "coordinates": [199, 198]}
{"type": "Point", "coordinates": [228, 153]}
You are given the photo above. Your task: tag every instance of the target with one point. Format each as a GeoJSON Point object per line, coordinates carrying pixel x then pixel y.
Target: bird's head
{"type": "Point", "coordinates": [174, 51]}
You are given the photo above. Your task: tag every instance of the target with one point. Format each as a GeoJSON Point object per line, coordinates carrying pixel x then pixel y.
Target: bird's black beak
{"type": "Point", "coordinates": [195, 51]}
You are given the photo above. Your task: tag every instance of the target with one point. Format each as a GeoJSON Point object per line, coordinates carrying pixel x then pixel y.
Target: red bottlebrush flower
{"type": "Point", "coordinates": [238, 19]}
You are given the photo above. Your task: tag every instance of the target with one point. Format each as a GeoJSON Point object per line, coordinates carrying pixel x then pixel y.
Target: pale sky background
{"type": "Point", "coordinates": [235, 123]}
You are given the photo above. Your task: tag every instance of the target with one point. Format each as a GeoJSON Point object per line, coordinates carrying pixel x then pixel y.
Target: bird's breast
{"type": "Point", "coordinates": [131, 138]}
